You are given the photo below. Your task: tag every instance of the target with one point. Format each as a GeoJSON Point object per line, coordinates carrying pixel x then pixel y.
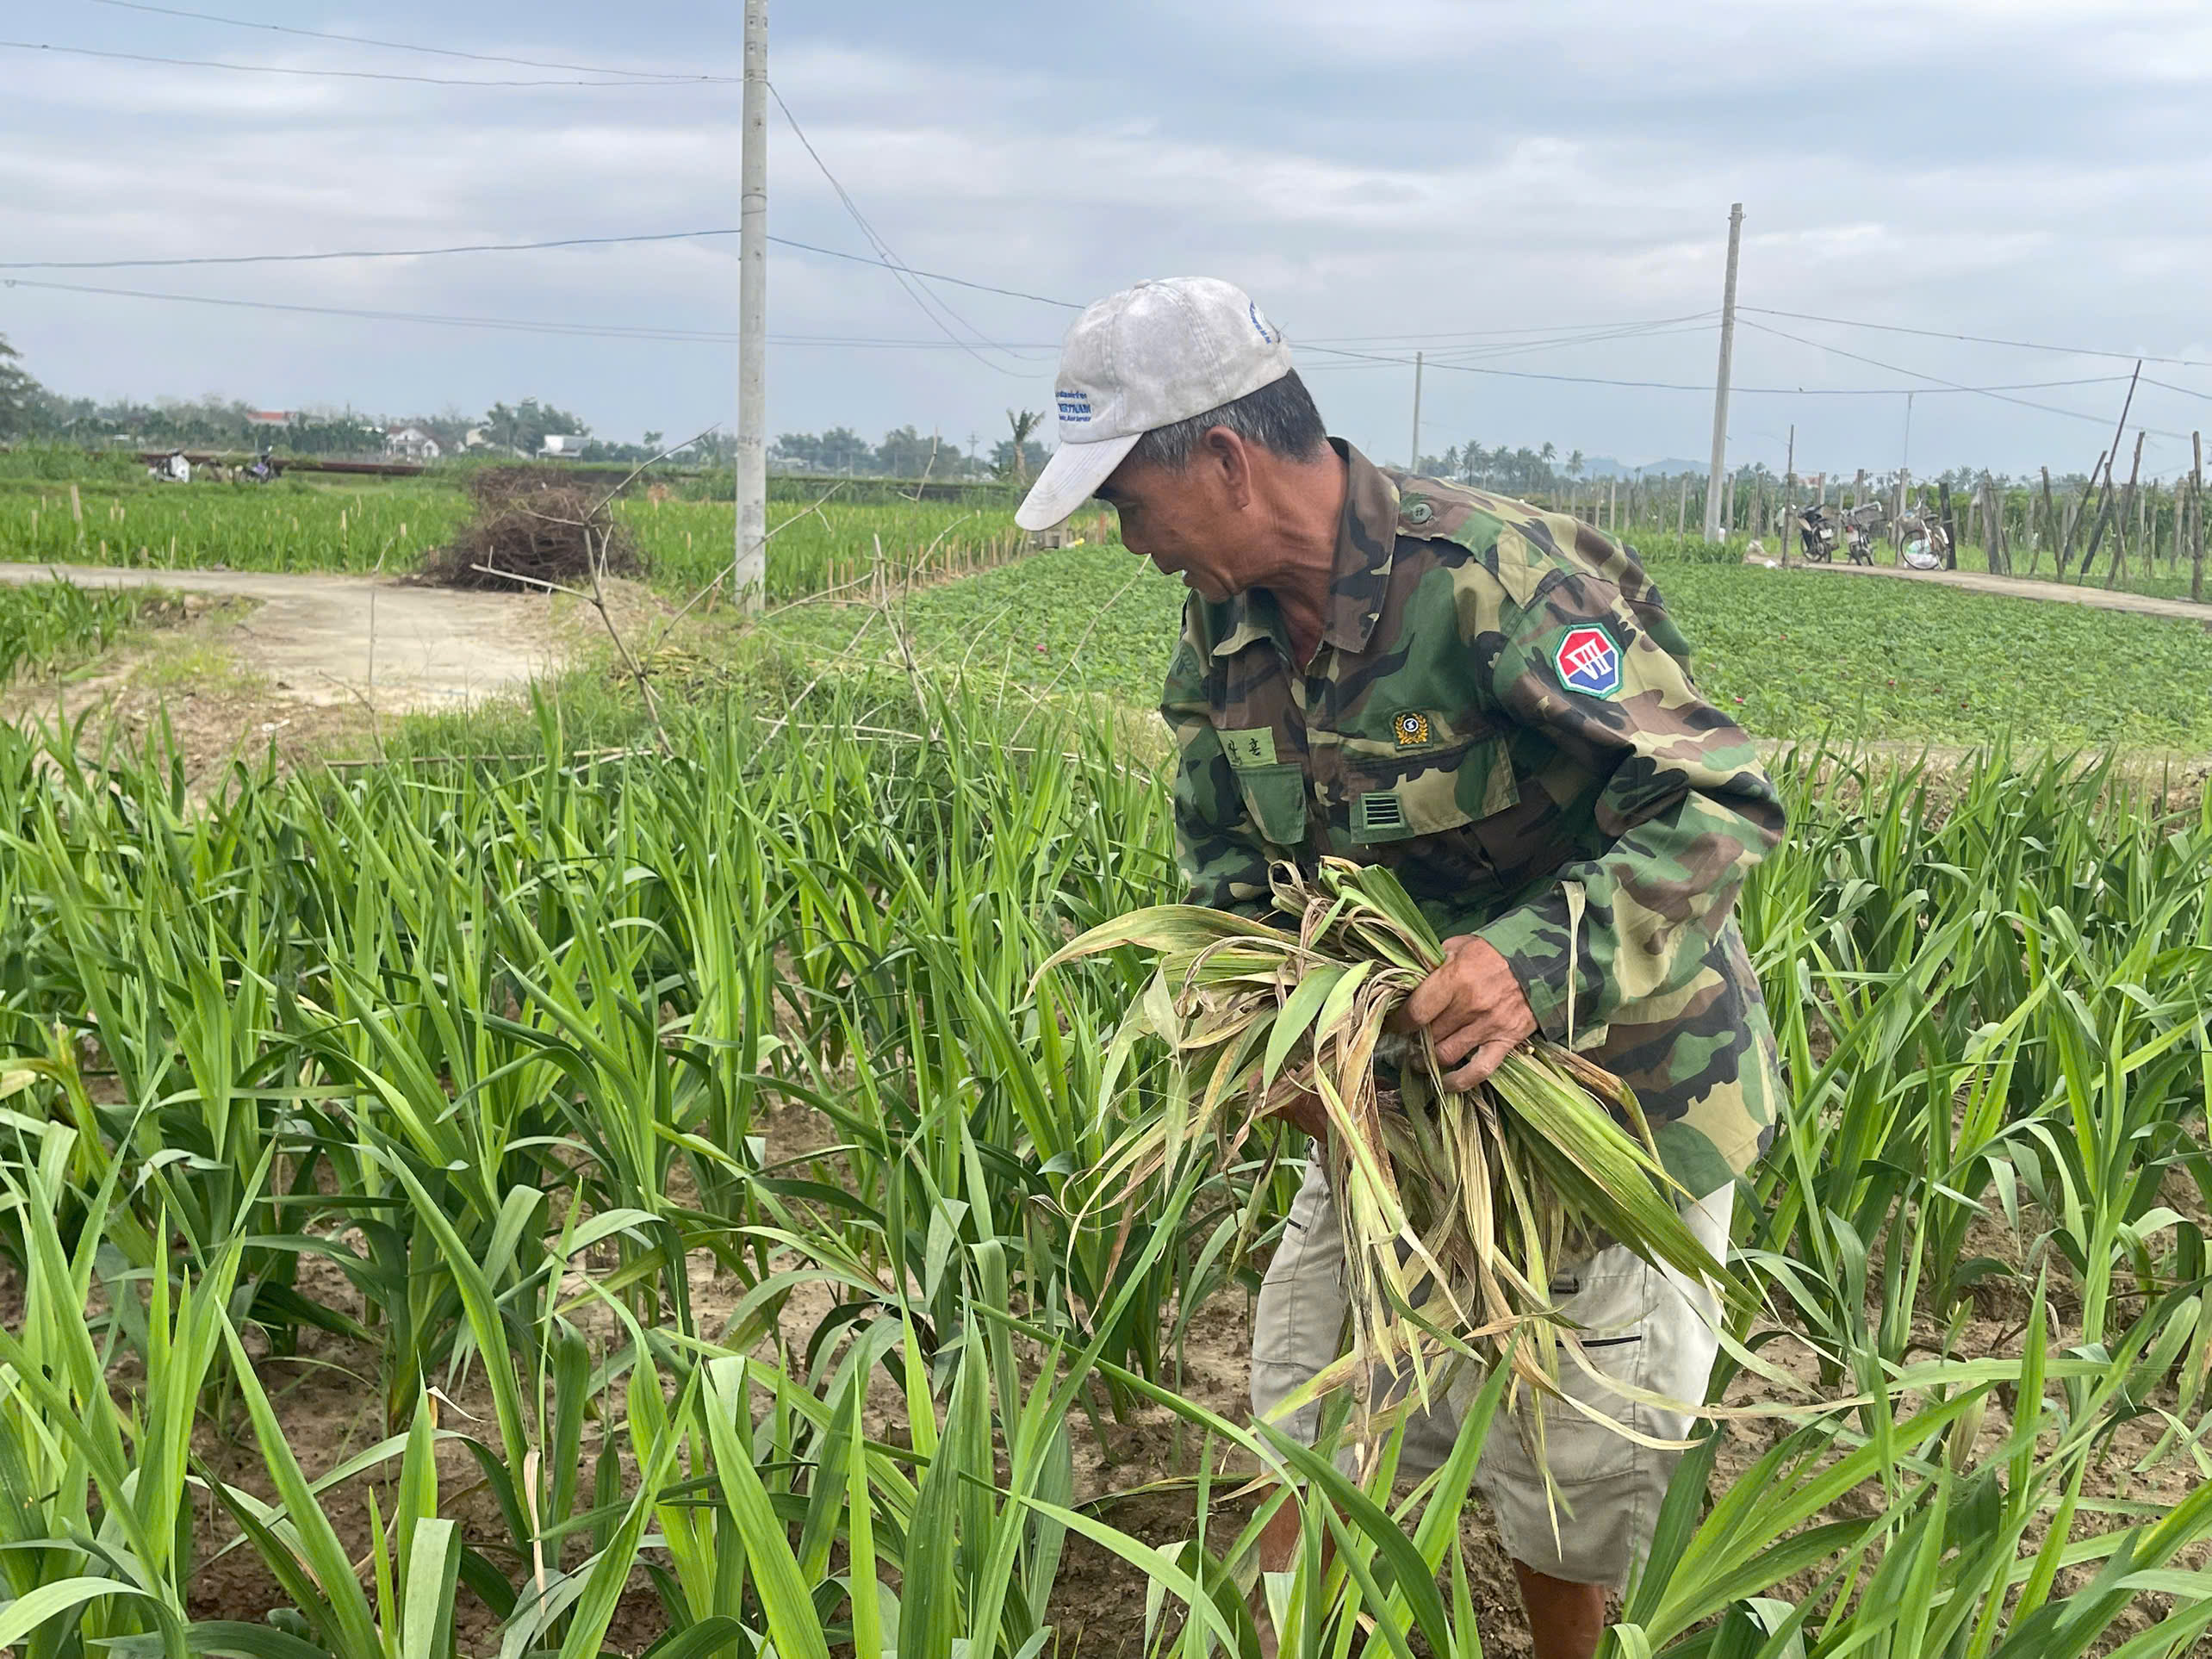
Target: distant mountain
{"type": "Point", "coordinates": [1604, 466]}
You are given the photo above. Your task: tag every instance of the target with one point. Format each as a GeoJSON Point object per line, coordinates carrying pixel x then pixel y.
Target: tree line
{"type": "Point", "coordinates": [30, 411]}
{"type": "Point", "coordinates": [1513, 471]}
{"type": "Point", "coordinates": [906, 452]}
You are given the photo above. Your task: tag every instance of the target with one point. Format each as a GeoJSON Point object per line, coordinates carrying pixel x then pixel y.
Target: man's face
{"type": "Point", "coordinates": [1186, 523]}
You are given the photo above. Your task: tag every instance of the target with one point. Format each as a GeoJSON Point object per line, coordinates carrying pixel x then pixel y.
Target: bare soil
{"type": "Point", "coordinates": [1980, 581]}
{"type": "Point", "coordinates": [394, 647]}
{"type": "Point", "coordinates": [308, 667]}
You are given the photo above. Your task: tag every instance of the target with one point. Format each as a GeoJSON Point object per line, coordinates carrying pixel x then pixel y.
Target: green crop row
{"type": "Point", "coordinates": [50, 625]}
{"type": "Point", "coordinates": [1791, 655]}
{"type": "Point", "coordinates": [674, 1158]}
{"type": "Point", "coordinates": [295, 526]}
{"type": "Point", "coordinates": [239, 527]}
{"type": "Point", "coordinates": [823, 546]}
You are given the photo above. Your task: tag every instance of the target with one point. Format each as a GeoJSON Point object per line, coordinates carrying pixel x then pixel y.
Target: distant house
{"type": "Point", "coordinates": [411, 443]}
{"type": "Point", "coordinates": [564, 444]}
{"type": "Point", "coordinates": [269, 417]}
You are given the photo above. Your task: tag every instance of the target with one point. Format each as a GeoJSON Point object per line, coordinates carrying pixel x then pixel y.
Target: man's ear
{"type": "Point", "coordinates": [1230, 457]}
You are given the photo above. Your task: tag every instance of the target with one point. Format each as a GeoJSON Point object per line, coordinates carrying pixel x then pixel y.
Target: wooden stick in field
{"type": "Point", "coordinates": [2197, 518]}
{"type": "Point", "coordinates": [2050, 525]}
{"type": "Point", "coordinates": [2119, 559]}
{"type": "Point", "coordinates": [2111, 460]}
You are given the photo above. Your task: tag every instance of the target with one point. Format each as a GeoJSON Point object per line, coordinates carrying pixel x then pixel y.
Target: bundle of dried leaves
{"type": "Point", "coordinates": [533, 527]}
{"type": "Point", "coordinates": [1455, 1216]}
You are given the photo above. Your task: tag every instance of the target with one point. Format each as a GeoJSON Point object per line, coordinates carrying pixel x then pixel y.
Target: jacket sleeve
{"type": "Point", "coordinates": [1217, 847]}
{"type": "Point", "coordinates": [1685, 804]}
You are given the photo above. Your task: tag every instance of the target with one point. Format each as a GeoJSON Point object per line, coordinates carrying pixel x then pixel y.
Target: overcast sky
{"type": "Point", "coordinates": [1385, 176]}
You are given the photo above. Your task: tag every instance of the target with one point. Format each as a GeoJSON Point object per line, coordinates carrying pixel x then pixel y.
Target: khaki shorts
{"type": "Point", "coordinates": [1650, 1328]}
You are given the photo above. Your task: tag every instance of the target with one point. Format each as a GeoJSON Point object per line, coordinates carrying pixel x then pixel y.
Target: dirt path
{"type": "Point", "coordinates": [2026, 587]}
{"type": "Point", "coordinates": [323, 640]}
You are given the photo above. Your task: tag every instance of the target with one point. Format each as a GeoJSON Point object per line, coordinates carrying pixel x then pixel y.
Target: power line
{"type": "Point", "coordinates": [699, 336]}
{"type": "Point", "coordinates": [932, 275]}
{"type": "Point", "coordinates": [353, 253]}
{"type": "Point", "coordinates": [1753, 391]}
{"type": "Point", "coordinates": [514, 247]}
{"type": "Point", "coordinates": [405, 46]}
{"type": "Point", "coordinates": [1499, 333]}
{"type": "Point", "coordinates": [322, 74]}
{"type": "Point", "coordinates": [1515, 348]}
{"type": "Point", "coordinates": [1510, 373]}
{"type": "Point", "coordinates": [1590, 332]}
{"type": "Point", "coordinates": [929, 304]}
{"type": "Point", "coordinates": [1985, 391]}
{"type": "Point", "coordinates": [1347, 358]}
{"type": "Point", "coordinates": [2186, 391]}
{"type": "Point", "coordinates": [517, 325]}
{"type": "Point", "coordinates": [1980, 339]}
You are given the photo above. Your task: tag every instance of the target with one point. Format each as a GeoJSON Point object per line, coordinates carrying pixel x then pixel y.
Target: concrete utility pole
{"type": "Point", "coordinates": [749, 571]}
{"type": "Point", "coordinates": [1720, 385]}
{"type": "Point", "coordinates": [1903, 476]}
{"type": "Point", "coordinates": [1788, 521]}
{"type": "Point", "coordinates": [1414, 464]}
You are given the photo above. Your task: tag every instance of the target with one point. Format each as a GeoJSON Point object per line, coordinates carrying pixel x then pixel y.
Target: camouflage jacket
{"type": "Point", "coordinates": [1501, 709]}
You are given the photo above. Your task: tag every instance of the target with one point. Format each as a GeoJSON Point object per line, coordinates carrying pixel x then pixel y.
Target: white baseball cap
{"type": "Point", "coordinates": [1147, 357]}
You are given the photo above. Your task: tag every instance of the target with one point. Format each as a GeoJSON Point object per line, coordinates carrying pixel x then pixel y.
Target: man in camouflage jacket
{"type": "Point", "coordinates": [1493, 701]}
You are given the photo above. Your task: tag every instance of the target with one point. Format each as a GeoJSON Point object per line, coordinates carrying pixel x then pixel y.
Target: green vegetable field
{"type": "Point", "coordinates": [660, 1183]}
{"type": "Point", "coordinates": [46, 625]}
{"type": "Point", "coordinates": [1795, 656]}
{"type": "Point", "coordinates": [576, 1182]}
{"type": "Point", "coordinates": [297, 526]}
{"type": "Point", "coordinates": [285, 526]}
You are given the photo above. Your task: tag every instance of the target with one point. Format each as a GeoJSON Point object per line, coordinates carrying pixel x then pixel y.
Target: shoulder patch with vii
{"type": "Point", "coordinates": [1587, 660]}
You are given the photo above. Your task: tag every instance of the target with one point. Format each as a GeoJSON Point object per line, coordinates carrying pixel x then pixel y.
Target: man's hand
{"type": "Point", "coordinates": [1475, 1010]}
{"type": "Point", "coordinates": [1306, 1112]}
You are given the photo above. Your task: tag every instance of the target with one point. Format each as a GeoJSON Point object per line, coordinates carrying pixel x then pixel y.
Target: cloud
{"type": "Point", "coordinates": [1440, 168]}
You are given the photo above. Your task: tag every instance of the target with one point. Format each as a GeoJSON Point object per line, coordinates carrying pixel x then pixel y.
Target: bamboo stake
{"type": "Point", "coordinates": [2050, 527]}
{"type": "Point", "coordinates": [2075, 510]}
{"type": "Point", "coordinates": [2111, 460]}
{"type": "Point", "coordinates": [2119, 561]}
{"type": "Point", "coordinates": [2197, 518]}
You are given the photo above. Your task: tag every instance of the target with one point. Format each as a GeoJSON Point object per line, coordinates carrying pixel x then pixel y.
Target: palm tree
{"type": "Point", "coordinates": [1574, 463]}
{"type": "Point", "coordinates": [1023, 422]}
{"type": "Point", "coordinates": [19, 392]}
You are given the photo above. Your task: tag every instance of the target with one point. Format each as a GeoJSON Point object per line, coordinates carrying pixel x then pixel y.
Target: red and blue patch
{"type": "Point", "coordinates": [1588, 660]}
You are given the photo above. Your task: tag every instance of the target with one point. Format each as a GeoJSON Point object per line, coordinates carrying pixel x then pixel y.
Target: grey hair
{"type": "Point", "coordinates": [1279, 417]}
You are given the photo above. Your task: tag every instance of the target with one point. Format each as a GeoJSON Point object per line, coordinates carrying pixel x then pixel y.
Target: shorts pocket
{"type": "Point", "coordinates": [1612, 1298]}
{"type": "Point", "coordinates": [1276, 797]}
{"type": "Point", "coordinates": [1581, 1452]}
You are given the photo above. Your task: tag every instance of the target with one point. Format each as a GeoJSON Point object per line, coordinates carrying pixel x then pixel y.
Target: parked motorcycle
{"type": "Point", "coordinates": [1817, 534]}
{"type": "Point", "coordinates": [1859, 528]}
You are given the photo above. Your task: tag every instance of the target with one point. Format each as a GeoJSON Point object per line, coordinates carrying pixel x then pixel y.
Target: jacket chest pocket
{"type": "Point", "coordinates": [1276, 797]}
{"type": "Point", "coordinates": [1405, 796]}
{"type": "Point", "coordinates": [1274, 789]}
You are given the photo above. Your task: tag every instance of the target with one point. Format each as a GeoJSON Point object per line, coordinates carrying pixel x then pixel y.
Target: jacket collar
{"type": "Point", "coordinates": [1359, 573]}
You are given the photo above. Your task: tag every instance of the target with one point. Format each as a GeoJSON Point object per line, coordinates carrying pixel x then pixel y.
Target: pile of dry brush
{"type": "Point", "coordinates": [535, 526]}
